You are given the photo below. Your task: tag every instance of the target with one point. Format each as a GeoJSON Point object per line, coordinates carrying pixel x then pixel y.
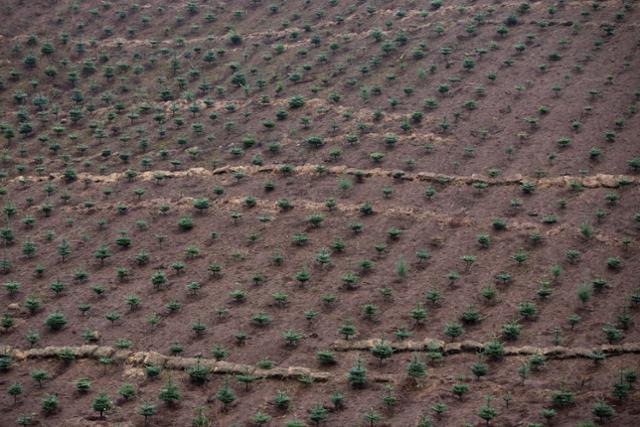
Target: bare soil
{"type": "Point", "coordinates": [557, 167]}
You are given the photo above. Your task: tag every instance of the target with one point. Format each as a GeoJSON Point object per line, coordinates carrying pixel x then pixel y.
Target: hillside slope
{"type": "Point", "coordinates": [332, 212]}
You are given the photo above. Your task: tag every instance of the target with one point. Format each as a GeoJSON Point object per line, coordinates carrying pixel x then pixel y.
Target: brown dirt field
{"type": "Point", "coordinates": [459, 163]}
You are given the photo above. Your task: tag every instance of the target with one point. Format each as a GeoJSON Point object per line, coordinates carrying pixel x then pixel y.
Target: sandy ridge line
{"type": "Point", "coordinates": [143, 358]}
{"type": "Point", "coordinates": [137, 359]}
{"type": "Point", "coordinates": [566, 181]}
{"type": "Point", "coordinates": [430, 344]}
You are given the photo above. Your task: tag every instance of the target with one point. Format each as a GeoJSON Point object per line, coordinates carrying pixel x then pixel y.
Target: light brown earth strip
{"type": "Point", "coordinates": [133, 359]}
{"type": "Point", "coordinates": [566, 181]}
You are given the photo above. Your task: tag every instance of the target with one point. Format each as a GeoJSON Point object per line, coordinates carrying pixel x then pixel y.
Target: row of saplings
{"type": "Point", "coordinates": [357, 378]}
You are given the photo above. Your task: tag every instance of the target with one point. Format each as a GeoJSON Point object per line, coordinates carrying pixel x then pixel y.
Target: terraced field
{"type": "Point", "coordinates": [320, 213]}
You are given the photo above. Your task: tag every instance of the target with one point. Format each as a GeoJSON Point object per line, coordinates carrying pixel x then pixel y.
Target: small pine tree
{"type": "Point", "coordinates": [382, 351]}
{"type": "Point", "coordinates": [372, 417]}
{"type": "Point", "coordinates": [424, 421]}
{"type": "Point", "coordinates": [401, 268]}
{"type": "Point", "coordinates": [318, 414]}
{"type": "Point", "coordinates": [487, 412]}
{"type": "Point", "coordinates": [493, 349]}
{"type": "Point", "coordinates": [102, 253]}
{"type": "Point", "coordinates": [226, 395]}
{"type": "Point", "coordinates": [147, 410]}
{"type": "Point", "coordinates": [453, 330]}
{"type": "Point", "coordinates": [347, 329]}
{"type": "Point", "coordinates": [50, 404]}
{"type": "Point", "coordinates": [416, 369]}
{"type": "Point", "coordinates": [479, 369]}
{"type": "Point", "coordinates": [15, 390]}
{"type": "Point", "coordinates": [170, 393]}
{"type": "Point", "coordinates": [101, 404]}
{"type": "Point", "coordinates": [200, 419]}
{"type": "Point", "coordinates": [357, 375]}
{"type": "Point", "coordinates": [602, 411]}
{"type": "Point", "coordinates": [64, 249]}
{"type": "Point", "coordinates": [127, 391]}
{"type": "Point", "coordinates": [40, 375]}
